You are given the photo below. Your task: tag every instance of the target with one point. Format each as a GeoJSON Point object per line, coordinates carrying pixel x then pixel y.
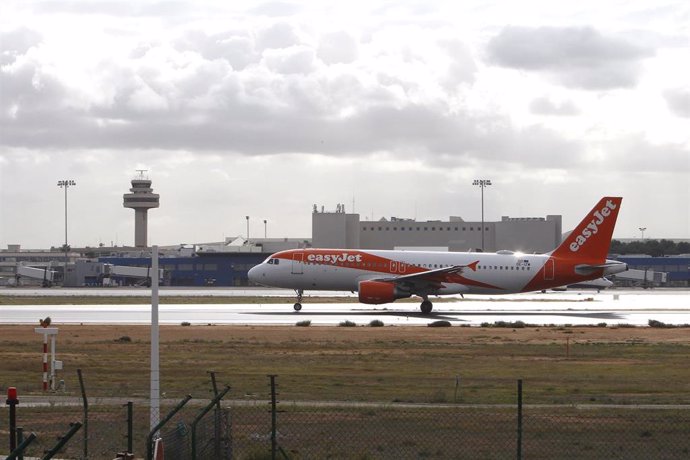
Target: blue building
{"type": "Point", "coordinates": [230, 268]}
{"type": "Point", "coordinates": [676, 267]}
{"type": "Point", "coordinates": [226, 269]}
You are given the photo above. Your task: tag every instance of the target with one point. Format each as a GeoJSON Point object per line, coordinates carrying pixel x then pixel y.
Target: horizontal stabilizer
{"type": "Point", "coordinates": [609, 268]}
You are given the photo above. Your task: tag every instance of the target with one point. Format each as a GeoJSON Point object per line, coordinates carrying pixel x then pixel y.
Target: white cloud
{"type": "Point", "coordinates": [337, 48]}
{"type": "Point", "coordinates": [545, 106]}
{"type": "Point", "coordinates": [678, 100]}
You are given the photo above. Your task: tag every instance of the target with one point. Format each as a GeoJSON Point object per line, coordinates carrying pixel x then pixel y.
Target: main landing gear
{"type": "Point", "coordinates": [426, 306]}
{"type": "Point", "coordinates": [298, 304]}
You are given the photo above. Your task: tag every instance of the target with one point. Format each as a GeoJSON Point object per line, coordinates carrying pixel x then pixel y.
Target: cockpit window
{"type": "Point", "coordinates": [273, 261]}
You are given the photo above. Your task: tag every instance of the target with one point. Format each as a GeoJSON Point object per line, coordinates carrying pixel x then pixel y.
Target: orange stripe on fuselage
{"type": "Point", "coordinates": [564, 274]}
{"type": "Point", "coordinates": [362, 260]}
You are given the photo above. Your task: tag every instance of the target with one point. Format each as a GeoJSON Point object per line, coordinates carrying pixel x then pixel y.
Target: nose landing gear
{"type": "Point", "coordinates": [298, 304]}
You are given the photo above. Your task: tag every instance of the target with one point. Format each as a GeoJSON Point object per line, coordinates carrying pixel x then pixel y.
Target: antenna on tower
{"type": "Point", "coordinates": [141, 173]}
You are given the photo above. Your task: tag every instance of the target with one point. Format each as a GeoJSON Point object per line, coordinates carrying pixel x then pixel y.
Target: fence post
{"type": "Point", "coordinates": [62, 440]}
{"type": "Point", "coordinates": [86, 414]}
{"type": "Point", "coordinates": [130, 427]}
{"type": "Point", "coordinates": [203, 412]}
{"type": "Point", "coordinates": [519, 419]}
{"type": "Point", "coordinates": [20, 440]}
{"type": "Point", "coordinates": [149, 437]}
{"type": "Point", "coordinates": [216, 418]}
{"type": "Point", "coordinates": [18, 453]}
{"type": "Point", "coordinates": [274, 420]}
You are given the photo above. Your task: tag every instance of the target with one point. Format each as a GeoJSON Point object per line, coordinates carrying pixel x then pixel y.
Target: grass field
{"type": "Point", "coordinates": [470, 366]}
{"type": "Point", "coordinates": [416, 364]}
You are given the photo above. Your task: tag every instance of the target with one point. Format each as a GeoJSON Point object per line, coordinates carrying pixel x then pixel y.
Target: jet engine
{"type": "Point", "coordinates": [378, 292]}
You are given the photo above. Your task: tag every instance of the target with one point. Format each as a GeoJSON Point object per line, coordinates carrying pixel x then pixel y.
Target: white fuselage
{"type": "Point", "coordinates": [343, 270]}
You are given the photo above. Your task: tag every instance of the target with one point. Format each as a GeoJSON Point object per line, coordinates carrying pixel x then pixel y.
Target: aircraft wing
{"type": "Point", "coordinates": [429, 280]}
{"type": "Point", "coordinates": [429, 275]}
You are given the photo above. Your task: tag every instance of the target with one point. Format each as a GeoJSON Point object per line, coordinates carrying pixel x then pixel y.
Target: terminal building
{"type": "Point", "coordinates": [339, 229]}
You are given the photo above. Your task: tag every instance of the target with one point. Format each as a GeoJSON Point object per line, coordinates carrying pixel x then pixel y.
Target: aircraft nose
{"type": "Point", "coordinates": [254, 273]}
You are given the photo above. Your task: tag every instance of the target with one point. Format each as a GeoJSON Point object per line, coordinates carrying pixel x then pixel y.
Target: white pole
{"type": "Point", "coordinates": [155, 368]}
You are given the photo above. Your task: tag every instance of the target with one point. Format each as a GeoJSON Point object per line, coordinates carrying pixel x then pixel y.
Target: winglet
{"type": "Point", "coordinates": [591, 239]}
{"type": "Point", "coordinates": [473, 266]}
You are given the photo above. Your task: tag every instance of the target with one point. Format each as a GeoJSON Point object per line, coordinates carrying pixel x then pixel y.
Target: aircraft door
{"type": "Point", "coordinates": [549, 270]}
{"type": "Point", "coordinates": [297, 263]}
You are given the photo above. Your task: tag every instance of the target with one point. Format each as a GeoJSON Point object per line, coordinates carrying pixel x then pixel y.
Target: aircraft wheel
{"type": "Point", "coordinates": [297, 306]}
{"type": "Point", "coordinates": [426, 307]}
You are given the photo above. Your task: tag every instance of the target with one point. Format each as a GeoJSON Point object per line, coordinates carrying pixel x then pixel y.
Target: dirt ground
{"type": "Point", "coordinates": [277, 334]}
{"type": "Point", "coordinates": [383, 363]}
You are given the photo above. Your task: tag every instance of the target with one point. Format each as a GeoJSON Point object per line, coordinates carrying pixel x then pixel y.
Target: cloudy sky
{"type": "Point", "coordinates": [266, 108]}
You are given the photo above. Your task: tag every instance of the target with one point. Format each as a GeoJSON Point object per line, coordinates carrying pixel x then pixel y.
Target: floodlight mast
{"type": "Point", "coordinates": [482, 183]}
{"type": "Point", "coordinates": [66, 183]}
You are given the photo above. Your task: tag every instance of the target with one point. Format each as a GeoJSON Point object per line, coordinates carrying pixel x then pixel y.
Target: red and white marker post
{"type": "Point", "coordinates": [52, 332]}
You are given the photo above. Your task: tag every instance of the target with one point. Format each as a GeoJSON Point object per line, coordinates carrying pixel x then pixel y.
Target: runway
{"type": "Point", "coordinates": [553, 308]}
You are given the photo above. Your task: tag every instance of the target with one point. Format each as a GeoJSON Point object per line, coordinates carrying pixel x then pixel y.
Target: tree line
{"type": "Point", "coordinates": [654, 248]}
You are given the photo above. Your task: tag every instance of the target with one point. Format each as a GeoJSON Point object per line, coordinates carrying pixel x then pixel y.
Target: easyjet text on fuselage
{"type": "Point", "coordinates": [335, 258]}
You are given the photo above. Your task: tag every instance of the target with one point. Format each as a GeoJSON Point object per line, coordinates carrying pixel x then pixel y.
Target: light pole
{"type": "Point", "coordinates": [265, 229]}
{"type": "Point", "coordinates": [247, 217]}
{"type": "Point", "coordinates": [66, 183]}
{"type": "Point", "coordinates": [642, 229]}
{"type": "Point", "coordinates": [482, 183]}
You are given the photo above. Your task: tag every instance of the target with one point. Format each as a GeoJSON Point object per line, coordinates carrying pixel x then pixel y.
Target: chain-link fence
{"type": "Point", "coordinates": [106, 436]}
{"type": "Point", "coordinates": [428, 431]}
{"type": "Point", "coordinates": [258, 429]}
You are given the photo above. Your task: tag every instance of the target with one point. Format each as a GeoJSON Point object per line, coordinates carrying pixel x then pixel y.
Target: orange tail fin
{"type": "Point", "coordinates": [591, 239]}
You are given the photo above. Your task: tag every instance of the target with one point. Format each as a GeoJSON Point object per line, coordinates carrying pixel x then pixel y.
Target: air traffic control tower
{"type": "Point", "coordinates": [141, 200]}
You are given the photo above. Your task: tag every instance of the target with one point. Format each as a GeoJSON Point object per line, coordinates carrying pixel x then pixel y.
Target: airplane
{"type": "Point", "coordinates": [383, 276]}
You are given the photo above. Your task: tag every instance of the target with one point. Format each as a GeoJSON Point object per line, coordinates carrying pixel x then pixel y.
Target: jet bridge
{"type": "Point", "coordinates": [44, 274]}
